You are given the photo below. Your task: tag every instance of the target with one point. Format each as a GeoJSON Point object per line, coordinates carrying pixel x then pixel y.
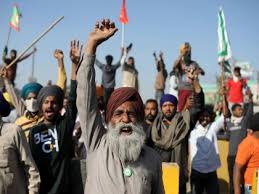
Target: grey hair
{"type": "Point", "coordinates": [127, 147]}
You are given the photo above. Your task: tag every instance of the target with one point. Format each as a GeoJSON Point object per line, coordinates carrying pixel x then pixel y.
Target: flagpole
{"type": "Point", "coordinates": [122, 35]}
{"type": "Point", "coordinates": [35, 41]}
{"type": "Point", "coordinates": [33, 63]}
{"type": "Point", "coordinates": [223, 90]}
{"type": "Point", "coordinates": [8, 36]}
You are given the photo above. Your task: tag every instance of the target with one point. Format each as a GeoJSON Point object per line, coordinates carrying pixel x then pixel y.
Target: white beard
{"type": "Point", "coordinates": [127, 147]}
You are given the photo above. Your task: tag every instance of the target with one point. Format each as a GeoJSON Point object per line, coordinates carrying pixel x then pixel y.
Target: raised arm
{"type": "Point", "coordinates": [198, 96]}
{"type": "Point", "coordinates": [226, 111]}
{"type": "Point", "coordinates": [5, 53]}
{"type": "Point", "coordinates": [62, 76]}
{"type": "Point", "coordinates": [249, 111]}
{"type": "Point", "coordinates": [155, 57]}
{"type": "Point", "coordinates": [90, 118]}
{"type": "Point", "coordinates": [124, 57]}
{"type": "Point", "coordinates": [75, 56]}
{"type": "Point", "coordinates": [124, 54]}
{"type": "Point", "coordinates": [16, 100]}
{"type": "Point", "coordinates": [27, 55]}
{"type": "Point", "coordinates": [118, 64]}
{"type": "Point", "coordinates": [220, 123]}
{"type": "Point", "coordinates": [98, 63]}
{"type": "Point", "coordinates": [177, 64]}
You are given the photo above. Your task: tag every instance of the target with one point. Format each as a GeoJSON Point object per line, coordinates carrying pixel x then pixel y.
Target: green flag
{"type": "Point", "coordinates": [15, 19]}
{"type": "Point", "coordinates": [224, 51]}
{"type": "Point", "coordinates": [227, 67]}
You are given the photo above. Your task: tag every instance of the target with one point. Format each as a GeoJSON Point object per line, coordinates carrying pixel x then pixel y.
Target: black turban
{"type": "Point", "coordinates": [51, 91]}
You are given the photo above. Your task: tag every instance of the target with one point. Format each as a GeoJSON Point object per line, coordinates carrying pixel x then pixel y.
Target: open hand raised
{"type": "Point", "coordinates": [102, 31]}
{"type": "Point", "coordinates": [75, 51]}
{"type": "Point", "coordinates": [192, 73]}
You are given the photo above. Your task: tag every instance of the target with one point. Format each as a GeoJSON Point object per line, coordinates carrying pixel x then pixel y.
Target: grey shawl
{"type": "Point", "coordinates": [174, 138]}
{"type": "Point", "coordinates": [169, 137]}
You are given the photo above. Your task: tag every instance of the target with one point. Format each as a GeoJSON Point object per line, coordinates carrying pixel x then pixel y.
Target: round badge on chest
{"type": "Point", "coordinates": [127, 171]}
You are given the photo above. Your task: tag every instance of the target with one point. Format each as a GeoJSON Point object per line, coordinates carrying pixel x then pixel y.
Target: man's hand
{"type": "Point", "coordinates": [192, 74]}
{"type": "Point", "coordinates": [75, 51]}
{"type": "Point", "coordinates": [5, 50]}
{"type": "Point", "coordinates": [154, 54]}
{"type": "Point", "coordinates": [129, 47]}
{"type": "Point", "coordinates": [102, 32]}
{"type": "Point", "coordinates": [58, 54]}
{"type": "Point", "coordinates": [161, 55]}
{"type": "Point", "coordinates": [5, 73]}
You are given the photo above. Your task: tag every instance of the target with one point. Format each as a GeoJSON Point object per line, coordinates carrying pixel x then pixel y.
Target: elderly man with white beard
{"type": "Point", "coordinates": [118, 162]}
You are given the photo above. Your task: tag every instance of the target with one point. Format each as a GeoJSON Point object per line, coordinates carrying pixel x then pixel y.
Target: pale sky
{"type": "Point", "coordinates": [153, 26]}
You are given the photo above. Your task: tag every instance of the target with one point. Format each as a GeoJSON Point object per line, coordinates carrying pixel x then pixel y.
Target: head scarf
{"type": "Point", "coordinates": [168, 98]}
{"type": "Point", "coordinates": [52, 90]}
{"type": "Point", "coordinates": [121, 95]}
{"type": "Point", "coordinates": [183, 94]}
{"type": "Point", "coordinates": [30, 87]}
{"type": "Point", "coordinates": [4, 106]}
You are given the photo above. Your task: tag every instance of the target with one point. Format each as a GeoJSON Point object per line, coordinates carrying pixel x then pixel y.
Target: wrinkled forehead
{"type": "Point", "coordinates": [126, 106]}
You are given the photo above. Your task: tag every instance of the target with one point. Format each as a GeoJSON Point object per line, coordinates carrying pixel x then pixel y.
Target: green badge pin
{"type": "Point", "coordinates": [127, 172]}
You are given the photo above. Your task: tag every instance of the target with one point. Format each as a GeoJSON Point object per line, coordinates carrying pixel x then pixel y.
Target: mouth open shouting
{"type": "Point", "coordinates": [126, 130]}
{"type": "Point", "coordinates": [50, 113]}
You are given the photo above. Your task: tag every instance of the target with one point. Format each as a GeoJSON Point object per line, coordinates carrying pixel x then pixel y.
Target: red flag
{"type": "Point", "coordinates": [123, 14]}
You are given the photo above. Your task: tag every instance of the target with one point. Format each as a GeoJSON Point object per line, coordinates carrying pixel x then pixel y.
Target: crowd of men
{"type": "Point", "coordinates": [123, 141]}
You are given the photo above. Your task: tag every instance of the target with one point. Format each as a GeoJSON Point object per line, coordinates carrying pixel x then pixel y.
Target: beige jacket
{"type": "Point", "coordinates": [104, 168]}
{"type": "Point", "coordinates": [18, 171]}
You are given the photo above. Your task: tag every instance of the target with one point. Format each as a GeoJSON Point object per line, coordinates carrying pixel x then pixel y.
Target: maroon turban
{"type": "Point", "coordinates": [183, 94]}
{"type": "Point", "coordinates": [121, 95]}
